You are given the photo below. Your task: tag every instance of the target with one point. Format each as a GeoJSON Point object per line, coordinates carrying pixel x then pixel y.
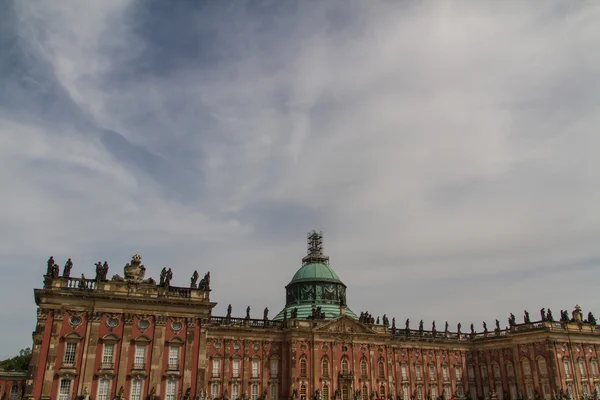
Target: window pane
{"type": "Point", "coordinates": [171, 389]}
{"type": "Point", "coordinates": [70, 351]}
{"type": "Point", "coordinates": [173, 357]}
{"type": "Point", "coordinates": [140, 356]}
{"type": "Point", "coordinates": [136, 388]}
{"type": "Point", "coordinates": [64, 391]}
{"type": "Point", "coordinates": [107, 355]}
{"type": "Point", "coordinates": [273, 392]}
{"type": "Point", "coordinates": [235, 391]}
{"type": "Point", "coordinates": [103, 388]}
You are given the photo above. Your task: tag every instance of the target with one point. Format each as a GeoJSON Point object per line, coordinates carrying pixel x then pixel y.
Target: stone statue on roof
{"type": "Point", "coordinates": [67, 269]}
{"type": "Point", "coordinates": [194, 280]}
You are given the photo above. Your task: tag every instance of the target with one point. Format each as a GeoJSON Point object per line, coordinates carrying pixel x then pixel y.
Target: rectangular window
{"type": "Point", "coordinates": [445, 372]}
{"type": "Point", "coordinates": [567, 368]}
{"type": "Point", "coordinates": [404, 372]}
{"type": "Point", "coordinates": [432, 372]}
{"type": "Point", "coordinates": [513, 391]}
{"type": "Point", "coordinates": [496, 371]}
{"type": "Point", "coordinates": [447, 392]}
{"type": "Point", "coordinates": [236, 368]}
{"type": "Point", "coordinates": [140, 357]}
{"type": "Point", "coordinates": [103, 388]}
{"type": "Point", "coordinates": [434, 392]}
{"type": "Point", "coordinates": [594, 368]}
{"type": "Point", "coordinates": [274, 367]}
{"type": "Point", "coordinates": [216, 370]}
{"type": "Point", "coordinates": [171, 389]}
{"type": "Point", "coordinates": [64, 390]}
{"type": "Point", "coordinates": [484, 372]}
{"type": "Point", "coordinates": [214, 391]}
{"type": "Point", "coordinates": [136, 388]}
{"type": "Point", "coordinates": [458, 371]}
{"type": "Point", "coordinates": [255, 368]}
{"type": "Point", "coordinates": [418, 371]}
{"type": "Point", "coordinates": [419, 392]}
{"type": "Point", "coordinates": [235, 391]}
{"type": "Point", "coordinates": [174, 357]}
{"type": "Point", "coordinates": [70, 351]}
{"type": "Point", "coordinates": [405, 392]}
{"type": "Point", "coordinates": [274, 392]}
{"type": "Point", "coordinates": [582, 368]}
{"type": "Point", "coordinates": [325, 393]}
{"type": "Point", "coordinates": [254, 392]}
{"type": "Point", "coordinates": [107, 355]}
{"type": "Point", "coordinates": [542, 365]}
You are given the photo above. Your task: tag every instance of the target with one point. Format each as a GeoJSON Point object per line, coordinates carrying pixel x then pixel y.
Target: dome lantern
{"type": "Point", "coordinates": [315, 285]}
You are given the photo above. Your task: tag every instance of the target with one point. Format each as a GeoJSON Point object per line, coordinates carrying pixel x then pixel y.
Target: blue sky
{"type": "Point", "coordinates": [449, 151]}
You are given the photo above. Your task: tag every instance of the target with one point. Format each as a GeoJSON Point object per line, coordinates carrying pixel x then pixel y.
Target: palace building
{"type": "Point", "coordinates": [130, 337]}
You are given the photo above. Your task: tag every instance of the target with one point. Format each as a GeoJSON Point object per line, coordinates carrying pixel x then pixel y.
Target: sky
{"type": "Point", "coordinates": [447, 150]}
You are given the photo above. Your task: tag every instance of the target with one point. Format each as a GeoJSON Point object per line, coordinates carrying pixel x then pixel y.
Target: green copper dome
{"type": "Point", "coordinates": [315, 286]}
{"type": "Point", "coordinates": [315, 272]}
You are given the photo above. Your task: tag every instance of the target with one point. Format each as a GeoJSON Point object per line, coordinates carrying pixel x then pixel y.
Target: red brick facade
{"type": "Point", "coordinates": [131, 338]}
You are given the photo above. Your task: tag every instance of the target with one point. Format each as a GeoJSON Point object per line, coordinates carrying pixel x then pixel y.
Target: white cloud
{"type": "Point", "coordinates": [439, 140]}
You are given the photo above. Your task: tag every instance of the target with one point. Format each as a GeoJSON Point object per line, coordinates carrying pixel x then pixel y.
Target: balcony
{"type": "Point", "coordinates": [173, 366]}
{"type": "Point", "coordinates": [106, 365]}
{"type": "Point", "coordinates": [349, 375]}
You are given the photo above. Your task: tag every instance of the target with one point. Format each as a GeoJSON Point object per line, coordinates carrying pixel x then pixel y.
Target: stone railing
{"type": "Point", "coordinates": [72, 283]}
{"type": "Point", "coordinates": [244, 322]}
{"type": "Point", "coordinates": [415, 334]}
{"type": "Point", "coordinates": [80, 283]}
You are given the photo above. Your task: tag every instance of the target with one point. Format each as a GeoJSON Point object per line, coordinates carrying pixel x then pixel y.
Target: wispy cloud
{"type": "Point", "coordinates": [449, 147]}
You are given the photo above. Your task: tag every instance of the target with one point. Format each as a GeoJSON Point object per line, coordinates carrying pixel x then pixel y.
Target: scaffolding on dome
{"type": "Point", "coordinates": [315, 249]}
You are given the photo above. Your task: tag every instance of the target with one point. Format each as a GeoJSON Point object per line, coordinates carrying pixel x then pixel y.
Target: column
{"type": "Point", "coordinates": [88, 360]}
{"type": "Point", "coordinates": [188, 348]}
{"type": "Point", "coordinates": [202, 360]}
{"type": "Point", "coordinates": [51, 363]}
{"type": "Point", "coordinates": [124, 354]}
{"type": "Point", "coordinates": [157, 354]}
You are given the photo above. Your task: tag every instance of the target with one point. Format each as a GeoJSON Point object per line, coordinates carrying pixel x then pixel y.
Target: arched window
{"type": "Point", "coordinates": [381, 367]}
{"type": "Point", "coordinates": [510, 371]}
{"type": "Point", "coordinates": [345, 366]}
{"type": "Point", "coordinates": [567, 367]}
{"type": "Point", "coordinates": [345, 392]}
{"type": "Point", "coordinates": [496, 369]}
{"type": "Point", "coordinates": [418, 371]}
{"type": "Point", "coordinates": [526, 367]}
{"type": "Point", "coordinates": [273, 392]}
{"type": "Point", "coordinates": [363, 367]}
{"type": "Point", "coordinates": [303, 392]}
{"type": "Point", "coordinates": [542, 366]}
{"type": "Point", "coordinates": [325, 367]}
{"type": "Point", "coordinates": [365, 392]}
{"type": "Point", "coordinates": [254, 392]}
{"type": "Point", "coordinates": [582, 368]}
{"type": "Point", "coordinates": [325, 395]}
{"type": "Point", "coordinates": [14, 393]}
{"type": "Point", "coordinates": [303, 367]}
